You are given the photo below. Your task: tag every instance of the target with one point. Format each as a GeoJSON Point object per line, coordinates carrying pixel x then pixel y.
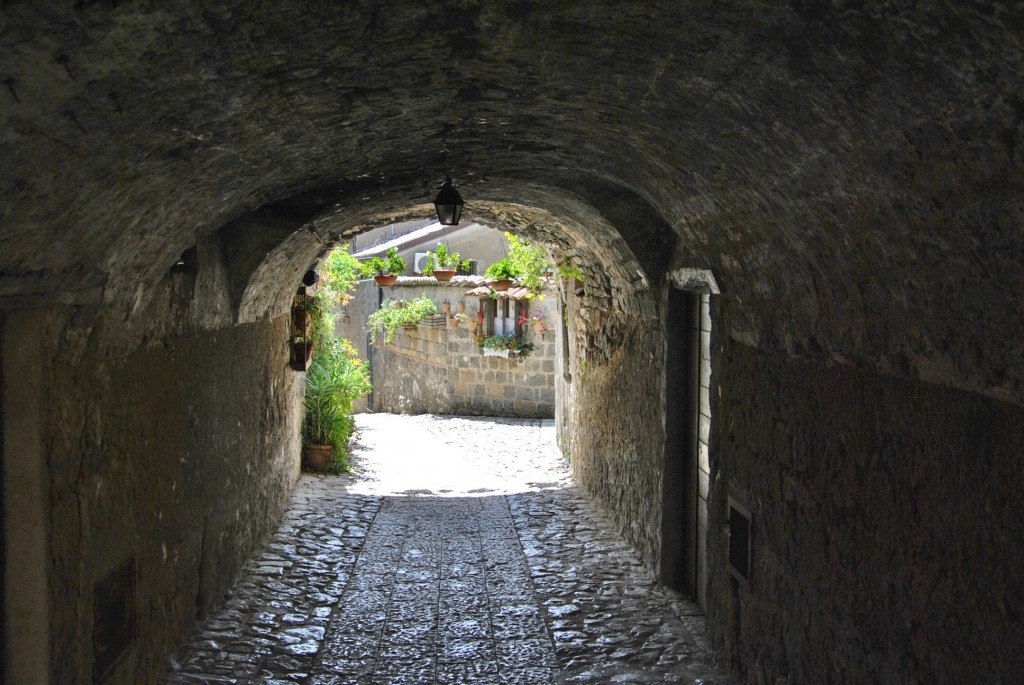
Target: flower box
{"type": "Point", "coordinates": [505, 353]}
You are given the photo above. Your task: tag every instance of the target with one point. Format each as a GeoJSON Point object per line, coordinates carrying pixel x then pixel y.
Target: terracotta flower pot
{"type": "Point", "coordinates": [385, 281]}
{"type": "Point", "coordinates": [453, 323]}
{"type": "Point", "coordinates": [318, 457]}
{"type": "Point", "coordinates": [444, 274]}
{"type": "Point", "coordinates": [501, 286]}
{"type": "Point", "coordinates": [460, 308]}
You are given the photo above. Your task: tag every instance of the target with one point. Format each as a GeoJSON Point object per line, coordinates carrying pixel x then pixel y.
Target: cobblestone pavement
{"type": "Point", "coordinates": [458, 552]}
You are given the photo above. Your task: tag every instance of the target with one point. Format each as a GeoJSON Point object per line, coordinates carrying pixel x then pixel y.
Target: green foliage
{"type": "Point", "coordinates": [391, 265]}
{"type": "Point", "coordinates": [335, 379]}
{"type": "Point", "coordinates": [566, 269]}
{"type": "Point", "coordinates": [525, 263]}
{"type": "Point", "coordinates": [339, 273]}
{"type": "Point", "coordinates": [507, 342]}
{"type": "Point", "coordinates": [336, 376]}
{"type": "Point", "coordinates": [389, 317]}
{"type": "Point", "coordinates": [443, 258]}
{"type": "Point", "coordinates": [531, 263]}
{"type": "Point", "coordinates": [321, 321]}
{"type": "Point", "coordinates": [502, 270]}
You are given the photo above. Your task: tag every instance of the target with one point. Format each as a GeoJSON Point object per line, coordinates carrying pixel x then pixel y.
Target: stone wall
{"type": "Point", "coordinates": [169, 441]}
{"type": "Point", "coordinates": [611, 425]}
{"type": "Point", "coordinates": [442, 370]}
{"type": "Point", "coordinates": [180, 456]}
{"type": "Point", "coordinates": [886, 519]}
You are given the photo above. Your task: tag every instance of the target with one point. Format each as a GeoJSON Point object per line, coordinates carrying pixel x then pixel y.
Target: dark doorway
{"type": "Point", "coordinates": [687, 423]}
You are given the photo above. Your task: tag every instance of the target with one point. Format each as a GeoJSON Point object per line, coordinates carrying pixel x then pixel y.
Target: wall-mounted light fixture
{"type": "Point", "coordinates": [448, 204]}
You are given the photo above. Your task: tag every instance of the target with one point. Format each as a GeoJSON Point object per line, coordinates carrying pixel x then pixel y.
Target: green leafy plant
{"type": "Point", "coordinates": [443, 258]}
{"type": "Point", "coordinates": [392, 264]}
{"type": "Point", "coordinates": [566, 269]}
{"type": "Point", "coordinates": [530, 262]}
{"type": "Point", "coordinates": [390, 316]}
{"type": "Point", "coordinates": [335, 379]}
{"type": "Point", "coordinates": [336, 376]}
{"type": "Point", "coordinates": [338, 275]}
{"type": "Point", "coordinates": [514, 343]}
{"type": "Point", "coordinates": [502, 270]}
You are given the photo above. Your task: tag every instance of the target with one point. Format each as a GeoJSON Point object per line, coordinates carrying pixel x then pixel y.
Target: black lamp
{"type": "Point", "coordinates": [448, 204]}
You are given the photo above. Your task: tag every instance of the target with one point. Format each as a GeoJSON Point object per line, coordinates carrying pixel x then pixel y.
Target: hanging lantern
{"type": "Point", "coordinates": [448, 204]}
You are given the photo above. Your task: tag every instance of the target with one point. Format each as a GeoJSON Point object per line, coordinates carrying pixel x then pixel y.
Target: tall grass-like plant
{"type": "Point", "coordinates": [335, 379]}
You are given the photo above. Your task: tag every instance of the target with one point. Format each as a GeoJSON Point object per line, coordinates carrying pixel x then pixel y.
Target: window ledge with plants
{"type": "Point", "coordinates": [505, 346]}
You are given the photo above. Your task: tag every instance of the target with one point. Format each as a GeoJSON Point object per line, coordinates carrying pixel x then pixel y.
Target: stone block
{"type": "Point", "coordinates": [525, 408]}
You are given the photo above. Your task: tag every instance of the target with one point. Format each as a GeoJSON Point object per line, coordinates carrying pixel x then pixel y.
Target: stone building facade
{"type": "Point", "coordinates": [433, 368]}
{"type": "Point", "coordinates": [850, 173]}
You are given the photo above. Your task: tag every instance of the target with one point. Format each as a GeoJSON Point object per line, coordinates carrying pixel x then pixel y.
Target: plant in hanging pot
{"type": "Point", "coordinates": [385, 271]}
{"type": "Point", "coordinates": [467, 320]}
{"type": "Point", "coordinates": [501, 274]}
{"type": "Point", "coordinates": [539, 323]}
{"type": "Point", "coordinates": [443, 263]}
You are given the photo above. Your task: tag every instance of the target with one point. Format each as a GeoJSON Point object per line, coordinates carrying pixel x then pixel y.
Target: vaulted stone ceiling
{"type": "Point", "coordinates": [848, 170]}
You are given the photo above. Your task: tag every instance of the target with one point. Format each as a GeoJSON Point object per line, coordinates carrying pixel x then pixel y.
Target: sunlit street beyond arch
{"type": "Point", "coordinates": [456, 551]}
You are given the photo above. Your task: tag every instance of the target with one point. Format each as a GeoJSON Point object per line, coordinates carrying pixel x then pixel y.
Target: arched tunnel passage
{"type": "Point", "coordinates": [203, 347]}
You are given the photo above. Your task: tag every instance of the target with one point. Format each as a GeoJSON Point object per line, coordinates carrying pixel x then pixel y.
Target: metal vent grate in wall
{"type": "Point", "coordinates": [739, 540]}
{"type": "Point", "coordinates": [113, 627]}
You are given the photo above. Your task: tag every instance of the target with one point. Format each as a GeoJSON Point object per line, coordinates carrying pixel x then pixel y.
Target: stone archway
{"type": "Point", "coordinates": [849, 171]}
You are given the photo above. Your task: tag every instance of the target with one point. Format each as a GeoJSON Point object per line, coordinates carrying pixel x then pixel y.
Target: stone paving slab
{"type": "Point", "coordinates": [459, 552]}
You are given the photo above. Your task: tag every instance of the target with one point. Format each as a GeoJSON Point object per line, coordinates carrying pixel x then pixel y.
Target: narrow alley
{"type": "Point", "coordinates": [458, 551]}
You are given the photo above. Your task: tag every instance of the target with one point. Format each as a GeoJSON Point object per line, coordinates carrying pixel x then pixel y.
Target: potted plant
{"type": "Point", "coordinates": [384, 271]}
{"type": "Point", "coordinates": [501, 274]}
{"type": "Point", "coordinates": [335, 379]}
{"type": "Point", "coordinates": [443, 263]}
{"type": "Point", "coordinates": [505, 346]}
{"type": "Point", "coordinates": [539, 323]}
{"type": "Point", "coordinates": [390, 316]}
{"type": "Point", "coordinates": [467, 320]}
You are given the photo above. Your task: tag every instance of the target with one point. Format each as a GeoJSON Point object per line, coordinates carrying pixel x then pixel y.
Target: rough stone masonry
{"type": "Point", "coordinates": [847, 171]}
